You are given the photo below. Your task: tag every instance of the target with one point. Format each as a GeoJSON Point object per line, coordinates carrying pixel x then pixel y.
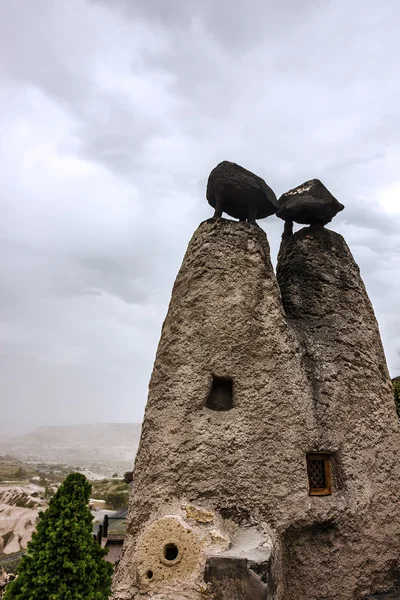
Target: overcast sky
{"type": "Point", "coordinates": [113, 113]}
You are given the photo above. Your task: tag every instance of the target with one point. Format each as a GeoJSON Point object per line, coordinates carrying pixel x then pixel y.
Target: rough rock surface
{"type": "Point", "coordinates": [356, 546]}
{"type": "Point", "coordinates": [16, 527]}
{"type": "Point", "coordinates": [225, 319]}
{"type": "Point", "coordinates": [310, 203]}
{"type": "Point", "coordinates": [307, 373]}
{"type": "Point", "coordinates": [239, 193]}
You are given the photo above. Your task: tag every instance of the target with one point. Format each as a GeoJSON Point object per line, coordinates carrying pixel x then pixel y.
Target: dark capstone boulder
{"type": "Point", "coordinates": [239, 193]}
{"type": "Point", "coordinates": [310, 204]}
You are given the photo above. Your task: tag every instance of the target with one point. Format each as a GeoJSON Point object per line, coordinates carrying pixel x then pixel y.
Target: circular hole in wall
{"type": "Point", "coordinates": [171, 552]}
{"type": "Point", "coordinates": [149, 574]}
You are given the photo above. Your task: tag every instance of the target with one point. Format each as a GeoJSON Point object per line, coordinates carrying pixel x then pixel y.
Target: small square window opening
{"type": "Point", "coordinates": [319, 474]}
{"type": "Point", "coordinates": [221, 394]}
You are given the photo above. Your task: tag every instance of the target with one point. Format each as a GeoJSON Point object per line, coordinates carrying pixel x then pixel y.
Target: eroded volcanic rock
{"type": "Point", "coordinates": [325, 300]}
{"type": "Point", "coordinates": [239, 193]}
{"type": "Point", "coordinates": [311, 203]}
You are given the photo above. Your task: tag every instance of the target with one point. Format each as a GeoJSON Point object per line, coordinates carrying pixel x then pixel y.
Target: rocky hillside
{"type": "Point", "coordinates": [23, 496]}
{"type": "Point", "coordinates": [16, 527]}
{"type": "Point", "coordinates": [19, 506]}
{"type": "Point", "coordinates": [102, 447]}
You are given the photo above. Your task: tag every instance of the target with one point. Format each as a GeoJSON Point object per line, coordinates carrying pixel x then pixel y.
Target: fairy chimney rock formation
{"type": "Point", "coordinates": [357, 548]}
{"type": "Point", "coordinates": [267, 467]}
{"type": "Point", "coordinates": [220, 432]}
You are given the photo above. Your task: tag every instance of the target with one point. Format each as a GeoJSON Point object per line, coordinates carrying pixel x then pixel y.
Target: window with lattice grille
{"type": "Point", "coordinates": [319, 474]}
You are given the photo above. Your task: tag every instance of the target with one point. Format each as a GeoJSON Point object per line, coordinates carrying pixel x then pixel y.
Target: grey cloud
{"type": "Point", "coordinates": [111, 125]}
{"type": "Point", "coordinates": [112, 115]}
{"type": "Point", "coordinates": [235, 23]}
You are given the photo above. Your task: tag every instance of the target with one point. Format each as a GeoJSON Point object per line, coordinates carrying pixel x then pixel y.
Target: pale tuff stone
{"type": "Point", "coordinates": [199, 514]}
{"type": "Point", "coordinates": [225, 319]}
{"type": "Point", "coordinates": [326, 303]}
{"type": "Point", "coordinates": [248, 379]}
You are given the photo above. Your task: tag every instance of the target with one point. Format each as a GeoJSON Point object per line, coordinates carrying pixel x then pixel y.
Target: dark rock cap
{"type": "Point", "coordinates": [239, 193]}
{"type": "Point", "coordinates": [310, 203]}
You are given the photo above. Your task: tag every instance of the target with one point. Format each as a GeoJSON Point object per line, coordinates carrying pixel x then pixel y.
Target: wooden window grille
{"type": "Point", "coordinates": [319, 474]}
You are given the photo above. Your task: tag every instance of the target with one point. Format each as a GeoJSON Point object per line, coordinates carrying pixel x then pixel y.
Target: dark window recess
{"type": "Point", "coordinates": [221, 394]}
{"type": "Point", "coordinates": [319, 474]}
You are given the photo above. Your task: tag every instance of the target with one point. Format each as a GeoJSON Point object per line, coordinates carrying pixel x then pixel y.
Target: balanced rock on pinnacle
{"type": "Point", "coordinates": [311, 203]}
{"type": "Point", "coordinates": [239, 193]}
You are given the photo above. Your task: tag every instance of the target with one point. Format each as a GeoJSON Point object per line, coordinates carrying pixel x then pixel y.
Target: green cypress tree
{"type": "Point", "coordinates": [63, 561]}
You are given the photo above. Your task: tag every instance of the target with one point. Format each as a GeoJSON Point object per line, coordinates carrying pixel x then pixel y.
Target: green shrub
{"type": "Point", "coordinates": [128, 477]}
{"type": "Point", "coordinates": [121, 488]}
{"type": "Point", "coordinates": [63, 560]}
{"type": "Point", "coordinates": [117, 500]}
{"type": "Point", "coordinates": [48, 493]}
{"type": "Point", "coordinates": [20, 473]}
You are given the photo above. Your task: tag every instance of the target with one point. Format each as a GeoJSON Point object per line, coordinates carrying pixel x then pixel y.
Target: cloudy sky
{"type": "Point", "coordinates": [112, 114]}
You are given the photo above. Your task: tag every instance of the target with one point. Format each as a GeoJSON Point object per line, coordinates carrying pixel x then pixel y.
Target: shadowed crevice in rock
{"type": "Point", "coordinates": [234, 579]}
{"type": "Point", "coordinates": [388, 596]}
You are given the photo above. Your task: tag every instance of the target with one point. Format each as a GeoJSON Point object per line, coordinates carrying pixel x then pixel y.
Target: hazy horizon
{"type": "Point", "coordinates": [12, 433]}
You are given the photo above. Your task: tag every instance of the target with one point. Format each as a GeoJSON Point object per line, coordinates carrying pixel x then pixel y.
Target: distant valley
{"type": "Point", "coordinates": [103, 448]}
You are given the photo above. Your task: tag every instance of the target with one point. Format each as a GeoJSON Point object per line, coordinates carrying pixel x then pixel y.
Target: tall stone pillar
{"type": "Point", "coordinates": [268, 462]}
{"type": "Point", "coordinates": [227, 425]}
{"type": "Point", "coordinates": [354, 546]}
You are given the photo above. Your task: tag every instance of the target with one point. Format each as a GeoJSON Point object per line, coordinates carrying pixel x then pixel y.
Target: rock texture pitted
{"type": "Point", "coordinates": [248, 463]}
{"type": "Point", "coordinates": [356, 546]}
{"type": "Point", "coordinates": [249, 378]}
{"type": "Point", "coordinates": [311, 203]}
{"type": "Point", "coordinates": [239, 193]}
